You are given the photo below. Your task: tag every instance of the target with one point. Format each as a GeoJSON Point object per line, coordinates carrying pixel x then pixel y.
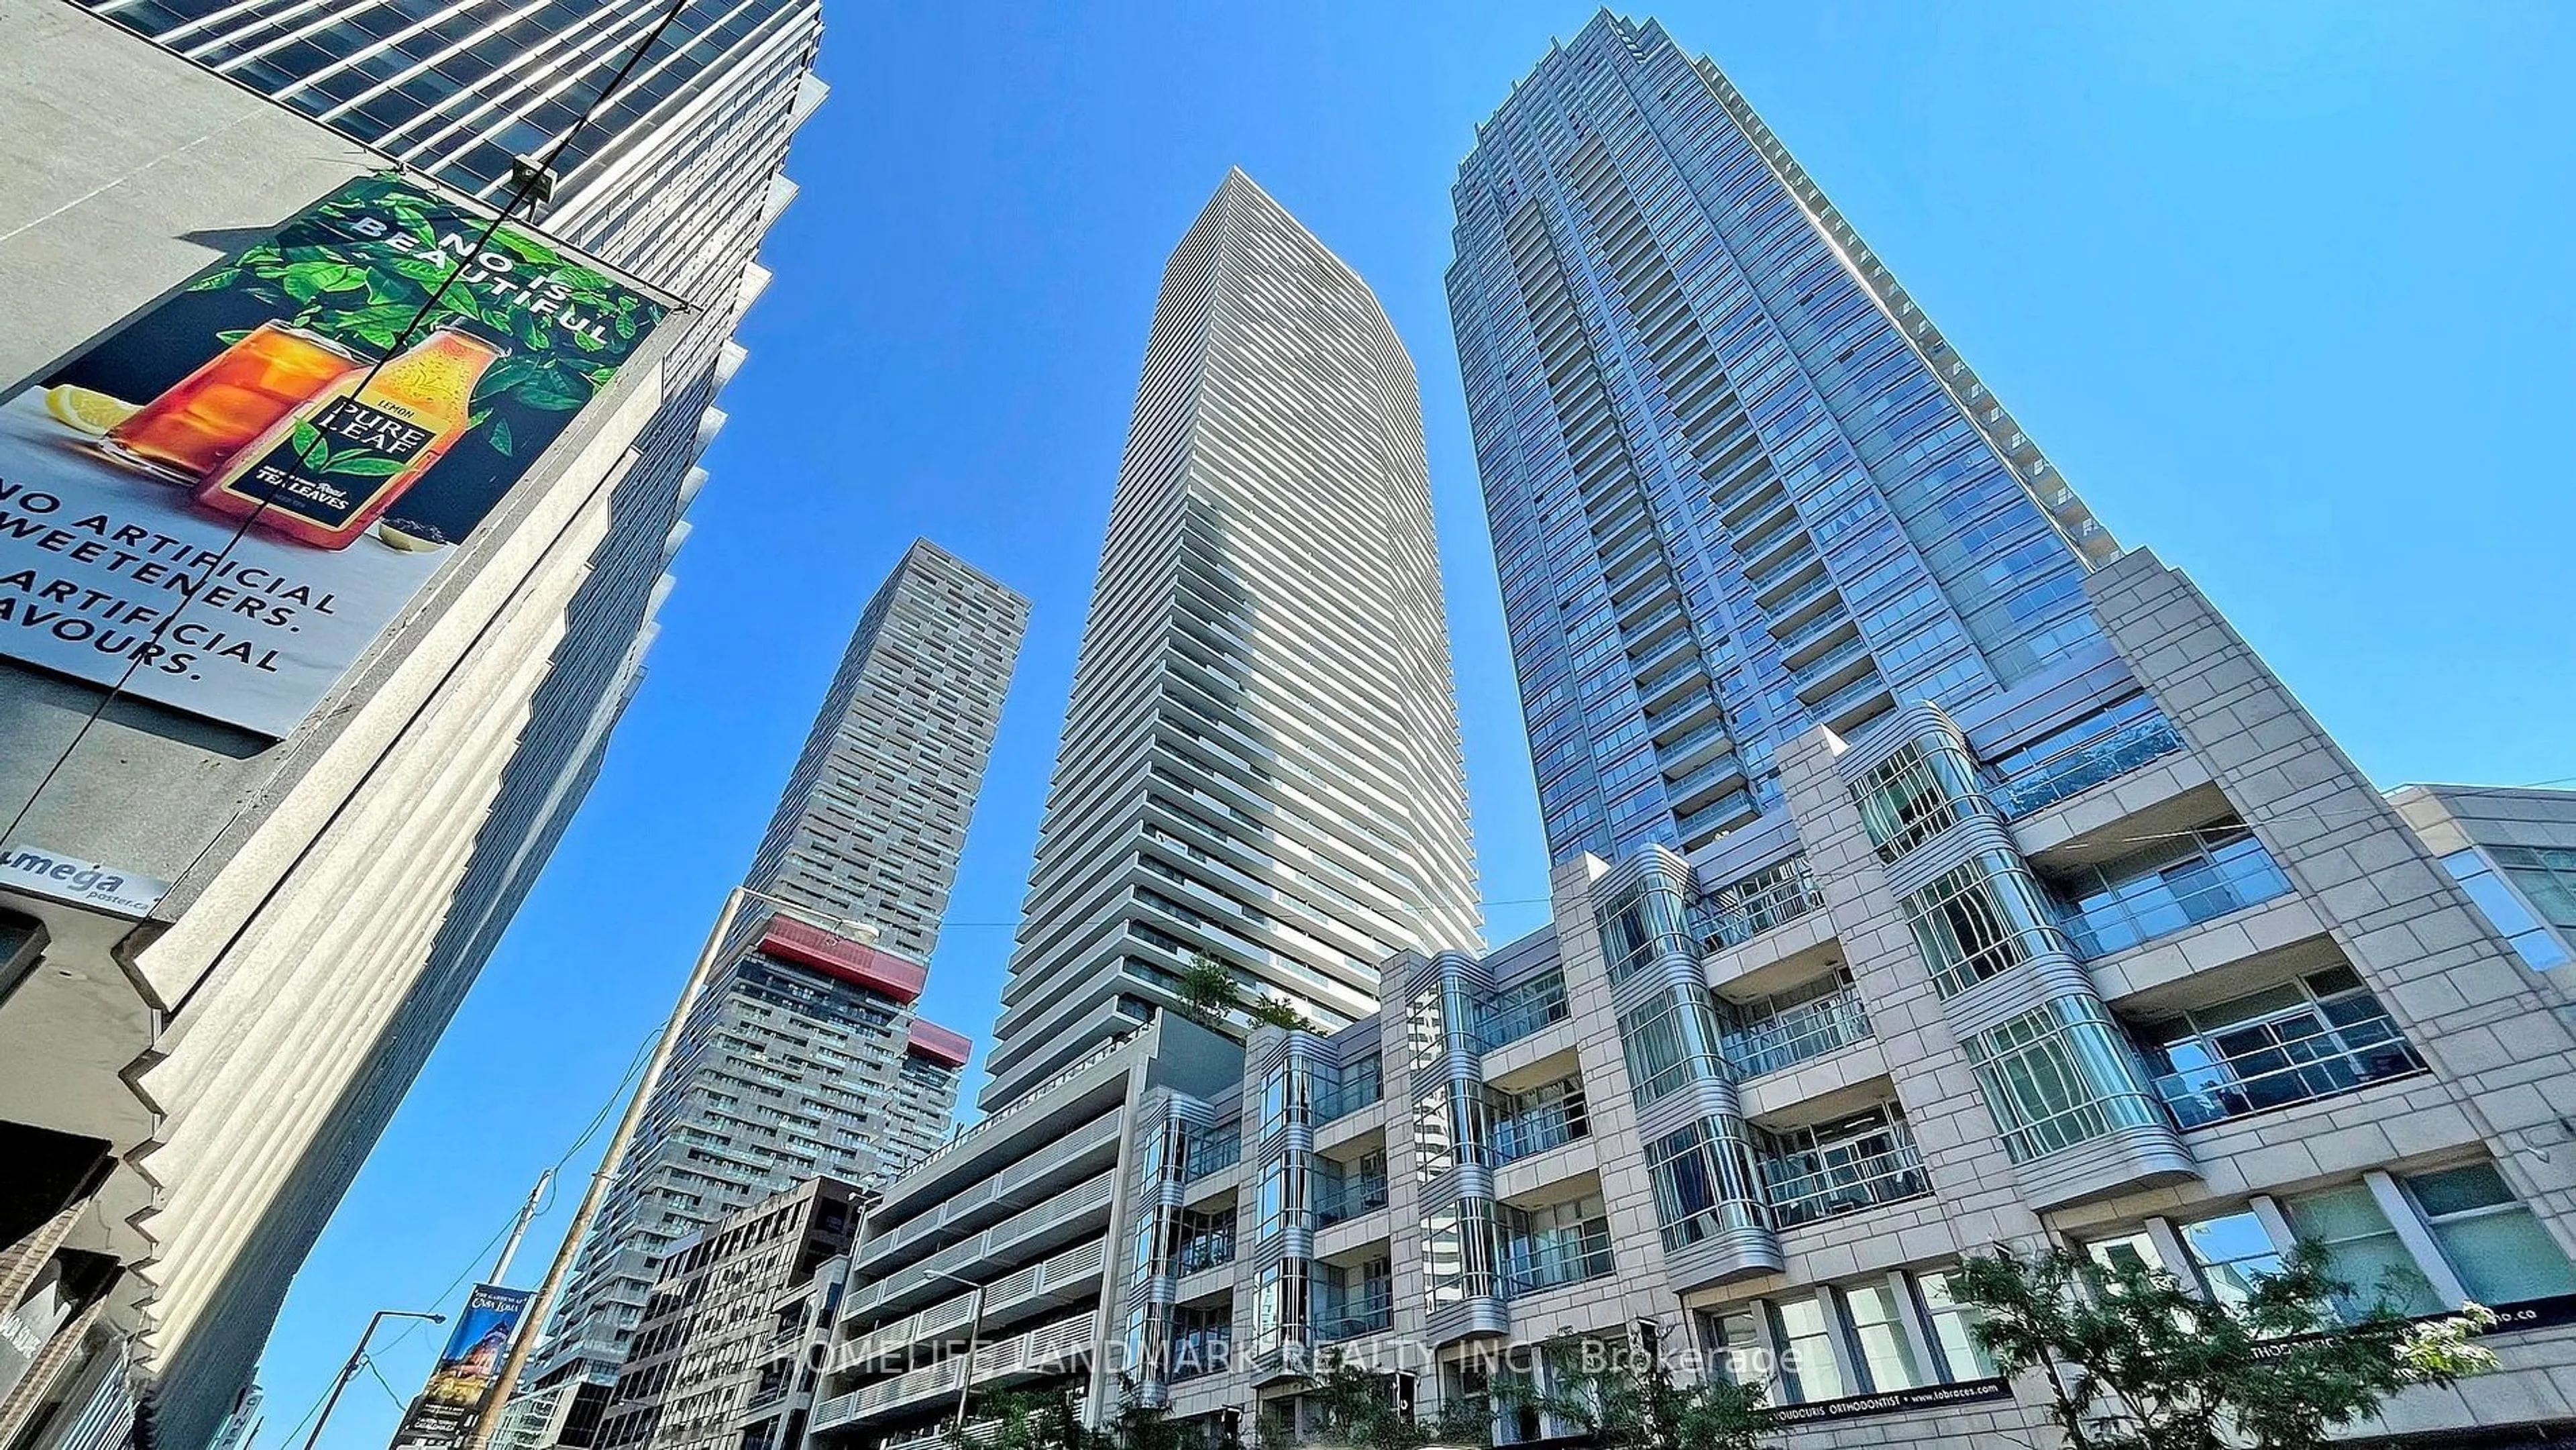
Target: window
{"type": "Point", "coordinates": [1521, 1009]}
{"type": "Point", "coordinates": [2536, 944]}
{"type": "Point", "coordinates": [2320, 1035]}
{"type": "Point", "coordinates": [1749, 906]}
{"type": "Point", "coordinates": [1735, 1348]}
{"type": "Point", "coordinates": [1283, 1196]}
{"type": "Point", "coordinates": [2231, 1251]}
{"type": "Point", "coordinates": [1878, 1331]}
{"type": "Point", "coordinates": [2057, 1077]}
{"type": "Point", "coordinates": [1803, 1328]}
{"type": "Point", "coordinates": [1353, 1299]}
{"type": "Point", "coordinates": [2501, 1253]}
{"type": "Point", "coordinates": [1977, 920]}
{"type": "Point", "coordinates": [2077, 756]}
{"type": "Point", "coordinates": [2215, 870]}
{"type": "Point", "coordinates": [2363, 1250]}
{"type": "Point", "coordinates": [1348, 1088]}
{"type": "Point", "coordinates": [1786, 1028]}
{"type": "Point", "coordinates": [2547, 878]}
{"type": "Point", "coordinates": [1915, 794]}
{"type": "Point", "coordinates": [1951, 1323]}
{"type": "Point", "coordinates": [1703, 1180]}
{"type": "Point", "coordinates": [1668, 1043]}
{"type": "Point", "coordinates": [1854, 1162]}
{"type": "Point", "coordinates": [1543, 1117]}
{"type": "Point", "coordinates": [1561, 1243]}
{"type": "Point", "coordinates": [1640, 924]}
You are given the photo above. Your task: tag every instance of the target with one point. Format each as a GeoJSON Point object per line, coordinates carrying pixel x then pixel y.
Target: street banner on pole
{"type": "Point", "coordinates": [445, 1410]}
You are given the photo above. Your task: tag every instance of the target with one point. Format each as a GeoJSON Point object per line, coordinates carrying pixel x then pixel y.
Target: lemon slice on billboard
{"type": "Point", "coordinates": [86, 409]}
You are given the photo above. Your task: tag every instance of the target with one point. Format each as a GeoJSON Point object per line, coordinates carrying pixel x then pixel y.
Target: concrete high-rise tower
{"type": "Point", "coordinates": [267, 1055]}
{"type": "Point", "coordinates": [1739, 484]}
{"type": "Point", "coordinates": [1261, 761]}
{"type": "Point", "coordinates": [805, 1057]}
{"type": "Point", "coordinates": [1260, 766]}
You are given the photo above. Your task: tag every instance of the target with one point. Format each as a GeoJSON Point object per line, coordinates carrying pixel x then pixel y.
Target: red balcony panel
{"type": "Point", "coordinates": [790, 940]}
{"type": "Point", "coordinates": [930, 1040]}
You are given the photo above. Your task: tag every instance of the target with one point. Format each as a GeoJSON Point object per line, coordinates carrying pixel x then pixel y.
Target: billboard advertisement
{"type": "Point", "coordinates": [235, 491]}
{"type": "Point", "coordinates": [444, 1414]}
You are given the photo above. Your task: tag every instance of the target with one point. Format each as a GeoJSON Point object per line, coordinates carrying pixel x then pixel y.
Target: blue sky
{"type": "Point", "coordinates": [2271, 282]}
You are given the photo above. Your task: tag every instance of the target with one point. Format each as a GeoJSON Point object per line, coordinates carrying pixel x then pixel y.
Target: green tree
{"type": "Point", "coordinates": [1020, 1420]}
{"type": "Point", "coordinates": [1359, 1407]}
{"type": "Point", "coordinates": [1208, 991]}
{"type": "Point", "coordinates": [1138, 1426]}
{"type": "Point", "coordinates": [1278, 1012]}
{"type": "Point", "coordinates": [1622, 1398]}
{"type": "Point", "coordinates": [2134, 1359]}
{"type": "Point", "coordinates": [1210, 996]}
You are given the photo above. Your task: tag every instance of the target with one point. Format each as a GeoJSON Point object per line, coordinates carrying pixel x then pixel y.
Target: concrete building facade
{"type": "Point", "coordinates": [2187, 989]}
{"type": "Point", "coordinates": [805, 1056]}
{"type": "Point", "coordinates": [717, 1362]}
{"type": "Point", "coordinates": [1260, 768]}
{"type": "Point", "coordinates": [1931, 875]}
{"type": "Point", "coordinates": [1260, 759]}
{"type": "Point", "coordinates": [206, 1075]}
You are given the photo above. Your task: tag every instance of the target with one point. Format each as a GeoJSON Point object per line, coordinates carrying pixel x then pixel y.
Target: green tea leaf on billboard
{"type": "Point", "coordinates": [365, 465]}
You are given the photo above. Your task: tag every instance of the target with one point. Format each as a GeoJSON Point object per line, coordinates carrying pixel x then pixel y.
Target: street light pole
{"type": "Point", "coordinates": [974, 1336]}
{"type": "Point", "coordinates": [357, 1357]}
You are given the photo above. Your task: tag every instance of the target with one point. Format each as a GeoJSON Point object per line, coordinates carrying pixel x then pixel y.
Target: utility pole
{"type": "Point", "coordinates": [507, 1382]}
{"type": "Point", "coordinates": [519, 1230]}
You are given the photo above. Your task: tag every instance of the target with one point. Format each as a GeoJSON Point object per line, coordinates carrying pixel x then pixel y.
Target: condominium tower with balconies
{"type": "Point", "coordinates": [1260, 768]}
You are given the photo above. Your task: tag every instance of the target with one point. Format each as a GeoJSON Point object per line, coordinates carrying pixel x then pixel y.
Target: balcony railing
{"type": "Point", "coordinates": [1207, 1154]}
{"type": "Point", "coordinates": [1770, 579]}
{"type": "Point", "coordinates": [1834, 706]}
{"type": "Point", "coordinates": [1348, 1199]}
{"type": "Point", "coordinates": [1520, 1010]}
{"type": "Point", "coordinates": [1201, 1252]}
{"type": "Point", "coordinates": [2201, 886]}
{"type": "Point", "coordinates": [1526, 1268]}
{"type": "Point", "coordinates": [1341, 1099]}
{"type": "Point", "coordinates": [1813, 630]}
{"type": "Point", "coordinates": [1816, 671]}
{"type": "Point", "coordinates": [1536, 1131]}
{"type": "Point", "coordinates": [1769, 898]}
{"type": "Point", "coordinates": [2084, 765]}
{"type": "Point", "coordinates": [2290, 1070]}
{"type": "Point", "coordinates": [1693, 739]}
{"type": "Point", "coordinates": [1199, 1352]}
{"type": "Point", "coordinates": [1373, 1315]}
{"type": "Point", "coordinates": [1803, 1196]}
{"type": "Point", "coordinates": [1722, 768]}
{"type": "Point", "coordinates": [1647, 689]}
{"type": "Point", "coordinates": [1791, 1036]}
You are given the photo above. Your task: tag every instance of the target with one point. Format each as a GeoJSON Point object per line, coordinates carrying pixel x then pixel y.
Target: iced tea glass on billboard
{"type": "Point", "coordinates": [199, 422]}
{"type": "Point", "coordinates": [324, 472]}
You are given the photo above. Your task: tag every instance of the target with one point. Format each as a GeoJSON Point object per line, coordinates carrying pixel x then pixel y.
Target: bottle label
{"type": "Point", "coordinates": [333, 464]}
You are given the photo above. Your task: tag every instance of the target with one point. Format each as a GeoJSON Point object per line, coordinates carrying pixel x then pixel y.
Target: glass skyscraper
{"type": "Point", "coordinates": [1739, 484]}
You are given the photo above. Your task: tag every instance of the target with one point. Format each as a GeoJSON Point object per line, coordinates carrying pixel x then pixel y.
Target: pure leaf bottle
{"type": "Point", "coordinates": [324, 473]}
